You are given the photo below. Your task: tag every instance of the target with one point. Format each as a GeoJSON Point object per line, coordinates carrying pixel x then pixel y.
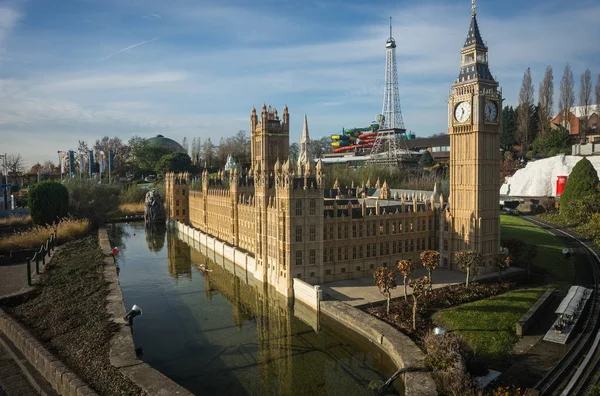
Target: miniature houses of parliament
{"type": "Point", "coordinates": [296, 227]}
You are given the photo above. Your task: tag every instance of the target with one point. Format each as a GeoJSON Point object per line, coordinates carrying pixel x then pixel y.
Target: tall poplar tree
{"type": "Point", "coordinates": [567, 95]}
{"type": "Point", "coordinates": [546, 101]}
{"type": "Point", "coordinates": [525, 111]}
{"type": "Point", "coordinates": [585, 97]}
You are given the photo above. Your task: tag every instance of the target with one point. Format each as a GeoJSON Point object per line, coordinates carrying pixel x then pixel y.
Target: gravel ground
{"type": "Point", "coordinates": [67, 312]}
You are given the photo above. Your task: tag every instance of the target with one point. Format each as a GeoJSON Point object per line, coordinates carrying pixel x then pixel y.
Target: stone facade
{"type": "Point", "coordinates": [472, 219]}
{"type": "Point", "coordinates": [295, 227]}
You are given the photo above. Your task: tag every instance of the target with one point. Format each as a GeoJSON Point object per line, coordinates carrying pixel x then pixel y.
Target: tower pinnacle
{"type": "Point", "coordinates": [304, 157]}
{"type": "Point", "coordinates": [473, 7]}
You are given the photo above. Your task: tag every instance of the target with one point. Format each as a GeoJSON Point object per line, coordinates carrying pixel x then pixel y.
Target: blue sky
{"type": "Point", "coordinates": [82, 69]}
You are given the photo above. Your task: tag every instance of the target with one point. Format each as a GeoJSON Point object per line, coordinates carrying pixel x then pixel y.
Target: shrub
{"type": "Point", "coordinates": [133, 194]}
{"type": "Point", "coordinates": [508, 155]}
{"type": "Point", "coordinates": [426, 160]}
{"type": "Point", "coordinates": [452, 360]}
{"type": "Point", "coordinates": [92, 201]}
{"type": "Point", "coordinates": [578, 211]}
{"type": "Point", "coordinates": [530, 155]}
{"type": "Point", "coordinates": [131, 208]}
{"type": "Point", "coordinates": [66, 230]}
{"type": "Point", "coordinates": [548, 204]}
{"type": "Point", "coordinates": [47, 201]}
{"type": "Point", "coordinates": [582, 183]}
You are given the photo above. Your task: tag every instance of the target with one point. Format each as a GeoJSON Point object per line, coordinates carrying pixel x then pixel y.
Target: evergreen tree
{"type": "Point", "coordinates": [426, 160]}
{"type": "Point", "coordinates": [546, 101]}
{"type": "Point", "coordinates": [582, 184]}
{"type": "Point", "coordinates": [508, 138]}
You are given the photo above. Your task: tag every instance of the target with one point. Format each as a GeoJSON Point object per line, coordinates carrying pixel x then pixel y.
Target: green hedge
{"type": "Point", "coordinates": [48, 201]}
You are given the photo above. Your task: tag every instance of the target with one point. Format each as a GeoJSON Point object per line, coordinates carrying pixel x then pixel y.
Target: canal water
{"type": "Point", "coordinates": [215, 334]}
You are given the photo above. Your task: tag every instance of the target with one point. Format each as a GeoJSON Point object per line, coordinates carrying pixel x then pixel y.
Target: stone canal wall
{"type": "Point", "coordinates": [122, 349]}
{"type": "Point", "coordinates": [308, 294]}
{"type": "Point", "coordinates": [61, 378]}
{"type": "Point", "coordinates": [403, 352]}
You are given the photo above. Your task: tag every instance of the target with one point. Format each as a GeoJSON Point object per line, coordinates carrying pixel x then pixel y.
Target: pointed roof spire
{"type": "Point", "coordinates": [474, 36]}
{"type": "Point", "coordinates": [304, 138]}
{"type": "Point", "coordinates": [304, 158]}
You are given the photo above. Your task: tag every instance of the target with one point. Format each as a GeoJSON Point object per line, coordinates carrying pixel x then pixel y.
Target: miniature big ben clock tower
{"type": "Point", "coordinates": [472, 221]}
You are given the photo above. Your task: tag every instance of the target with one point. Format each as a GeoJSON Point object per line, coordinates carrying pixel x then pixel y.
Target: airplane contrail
{"type": "Point", "coordinates": [130, 47]}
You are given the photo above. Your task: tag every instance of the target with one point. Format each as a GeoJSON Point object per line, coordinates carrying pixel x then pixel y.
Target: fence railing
{"type": "Point", "coordinates": [40, 255]}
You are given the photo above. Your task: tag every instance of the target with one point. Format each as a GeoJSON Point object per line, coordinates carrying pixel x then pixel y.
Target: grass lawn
{"type": "Point", "coordinates": [550, 258]}
{"type": "Point", "coordinates": [489, 325]}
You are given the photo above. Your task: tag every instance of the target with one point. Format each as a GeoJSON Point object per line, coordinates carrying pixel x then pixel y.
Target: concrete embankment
{"type": "Point", "coordinates": [403, 352]}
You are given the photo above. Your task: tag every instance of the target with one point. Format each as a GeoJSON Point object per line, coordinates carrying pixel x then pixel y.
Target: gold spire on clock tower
{"type": "Point", "coordinates": [474, 125]}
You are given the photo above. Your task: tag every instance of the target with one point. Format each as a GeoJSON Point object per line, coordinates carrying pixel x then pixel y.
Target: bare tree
{"type": "Point", "coordinates": [585, 97]}
{"type": "Point", "coordinates": [121, 151]}
{"type": "Point", "coordinates": [15, 164]}
{"type": "Point", "coordinates": [48, 168]}
{"type": "Point", "coordinates": [525, 110]}
{"type": "Point", "coordinates": [420, 287]}
{"type": "Point", "coordinates": [470, 261]}
{"type": "Point", "coordinates": [195, 152]}
{"type": "Point", "coordinates": [545, 100]}
{"type": "Point", "coordinates": [385, 279]}
{"type": "Point", "coordinates": [598, 90]}
{"type": "Point", "coordinates": [430, 260]}
{"type": "Point", "coordinates": [184, 144]}
{"type": "Point", "coordinates": [567, 95]}
{"type": "Point", "coordinates": [406, 267]}
{"type": "Point", "coordinates": [208, 153]}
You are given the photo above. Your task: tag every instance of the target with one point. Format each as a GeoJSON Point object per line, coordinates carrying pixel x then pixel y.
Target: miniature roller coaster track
{"type": "Point", "coordinates": [586, 340]}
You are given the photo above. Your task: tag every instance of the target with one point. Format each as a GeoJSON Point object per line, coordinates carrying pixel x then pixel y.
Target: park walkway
{"type": "Point", "coordinates": [13, 380]}
{"type": "Point", "coordinates": [362, 291]}
{"type": "Point", "coordinates": [13, 279]}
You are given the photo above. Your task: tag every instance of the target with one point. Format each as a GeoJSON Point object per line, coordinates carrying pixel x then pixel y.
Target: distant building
{"type": "Point", "coordinates": [575, 123]}
{"type": "Point", "coordinates": [169, 144]}
{"type": "Point", "coordinates": [439, 146]}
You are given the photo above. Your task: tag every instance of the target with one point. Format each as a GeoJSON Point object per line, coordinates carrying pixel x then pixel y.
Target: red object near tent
{"type": "Point", "coordinates": [560, 184]}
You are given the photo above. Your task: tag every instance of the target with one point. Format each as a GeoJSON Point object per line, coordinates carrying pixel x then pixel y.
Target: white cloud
{"type": "Point", "coordinates": [113, 81]}
{"type": "Point", "coordinates": [186, 85]}
{"type": "Point", "coordinates": [8, 20]}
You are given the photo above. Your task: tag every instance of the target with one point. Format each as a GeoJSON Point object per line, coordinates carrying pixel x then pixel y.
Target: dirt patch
{"type": "Point", "coordinates": [67, 312]}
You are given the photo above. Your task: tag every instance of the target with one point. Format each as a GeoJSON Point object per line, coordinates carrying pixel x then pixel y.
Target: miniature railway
{"type": "Point", "coordinates": [586, 341]}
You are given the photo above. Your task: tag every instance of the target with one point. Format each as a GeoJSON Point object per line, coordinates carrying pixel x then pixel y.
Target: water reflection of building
{"type": "Point", "coordinates": [276, 328]}
{"type": "Point", "coordinates": [178, 258]}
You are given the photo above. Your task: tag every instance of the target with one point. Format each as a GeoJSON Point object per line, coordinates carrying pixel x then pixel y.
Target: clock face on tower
{"type": "Point", "coordinates": [462, 111]}
{"type": "Point", "coordinates": [491, 111]}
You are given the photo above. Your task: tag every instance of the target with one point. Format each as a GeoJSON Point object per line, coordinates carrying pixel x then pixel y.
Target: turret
{"type": "Point", "coordinates": [286, 116]}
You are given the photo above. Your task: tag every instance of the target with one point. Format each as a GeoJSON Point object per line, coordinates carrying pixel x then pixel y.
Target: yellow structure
{"type": "Point", "coordinates": [295, 227]}
{"type": "Point", "coordinates": [474, 124]}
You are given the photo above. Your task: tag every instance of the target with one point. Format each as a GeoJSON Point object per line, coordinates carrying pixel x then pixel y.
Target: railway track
{"type": "Point", "coordinates": [587, 340]}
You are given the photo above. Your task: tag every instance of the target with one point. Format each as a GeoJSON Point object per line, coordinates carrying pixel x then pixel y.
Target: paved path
{"type": "Point", "coordinates": [12, 380]}
{"type": "Point", "coordinates": [362, 291]}
{"type": "Point", "coordinates": [14, 278]}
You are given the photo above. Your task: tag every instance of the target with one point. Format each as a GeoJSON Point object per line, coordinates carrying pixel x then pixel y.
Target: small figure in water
{"type": "Point", "coordinates": [204, 268]}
